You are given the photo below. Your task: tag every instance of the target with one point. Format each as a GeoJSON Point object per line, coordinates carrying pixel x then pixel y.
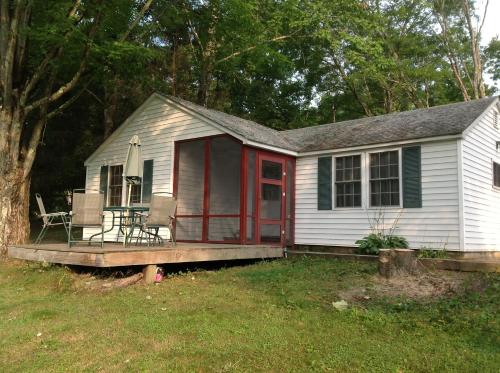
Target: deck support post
{"type": "Point", "coordinates": [149, 272]}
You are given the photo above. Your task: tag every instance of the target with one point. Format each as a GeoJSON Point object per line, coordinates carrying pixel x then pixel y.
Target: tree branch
{"type": "Point", "coordinates": [42, 67]}
{"type": "Point", "coordinates": [9, 58]}
{"type": "Point", "coordinates": [66, 104]}
{"type": "Point", "coordinates": [62, 90]}
{"type": "Point", "coordinates": [248, 49]}
{"type": "Point", "coordinates": [4, 32]}
{"type": "Point", "coordinates": [143, 11]}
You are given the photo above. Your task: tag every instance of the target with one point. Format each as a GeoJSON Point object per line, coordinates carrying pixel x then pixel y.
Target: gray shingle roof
{"type": "Point", "coordinates": [249, 130]}
{"type": "Point", "coordinates": [444, 120]}
{"type": "Point", "coordinates": [451, 119]}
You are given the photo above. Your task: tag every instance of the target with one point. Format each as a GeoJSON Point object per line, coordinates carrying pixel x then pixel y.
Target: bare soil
{"type": "Point", "coordinates": [425, 285]}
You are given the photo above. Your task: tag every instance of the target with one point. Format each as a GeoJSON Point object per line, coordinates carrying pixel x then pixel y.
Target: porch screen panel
{"type": "Point", "coordinates": [225, 175]}
{"type": "Point", "coordinates": [290, 177]}
{"type": "Point", "coordinates": [190, 178]}
{"type": "Point", "coordinates": [224, 190]}
{"type": "Point", "coordinates": [188, 228]}
{"type": "Point", "coordinates": [250, 218]}
{"type": "Point", "coordinates": [223, 229]}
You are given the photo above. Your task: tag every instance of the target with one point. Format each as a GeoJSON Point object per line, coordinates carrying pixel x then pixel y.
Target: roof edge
{"type": "Point", "coordinates": [494, 102]}
{"type": "Point", "coordinates": [380, 145]}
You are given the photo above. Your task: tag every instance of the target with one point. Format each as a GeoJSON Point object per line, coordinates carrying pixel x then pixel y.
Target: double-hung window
{"type": "Point", "coordinates": [384, 179]}
{"type": "Point", "coordinates": [115, 185]}
{"type": "Point", "coordinates": [496, 174]}
{"type": "Point", "coordinates": [348, 181]}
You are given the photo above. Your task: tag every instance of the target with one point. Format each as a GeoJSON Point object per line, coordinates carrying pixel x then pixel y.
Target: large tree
{"type": "Point", "coordinates": [46, 48]}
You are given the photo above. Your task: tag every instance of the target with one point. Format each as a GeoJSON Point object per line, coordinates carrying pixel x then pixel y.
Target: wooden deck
{"type": "Point", "coordinates": [115, 255]}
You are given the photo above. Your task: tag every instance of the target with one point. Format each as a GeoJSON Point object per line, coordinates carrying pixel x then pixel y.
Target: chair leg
{"type": "Point", "coordinates": [65, 223]}
{"type": "Point", "coordinates": [41, 235]}
{"type": "Point", "coordinates": [172, 235]}
{"type": "Point", "coordinates": [157, 237]}
{"type": "Point", "coordinates": [69, 236]}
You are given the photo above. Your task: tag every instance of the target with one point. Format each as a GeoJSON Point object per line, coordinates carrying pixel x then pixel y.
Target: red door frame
{"type": "Point", "coordinates": [259, 156]}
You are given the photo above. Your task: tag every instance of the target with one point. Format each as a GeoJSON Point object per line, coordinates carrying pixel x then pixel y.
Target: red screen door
{"type": "Point", "coordinates": [271, 200]}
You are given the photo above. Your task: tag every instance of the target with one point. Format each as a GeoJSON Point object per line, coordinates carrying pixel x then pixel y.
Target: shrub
{"type": "Point", "coordinates": [372, 243]}
{"type": "Point", "coordinates": [429, 252]}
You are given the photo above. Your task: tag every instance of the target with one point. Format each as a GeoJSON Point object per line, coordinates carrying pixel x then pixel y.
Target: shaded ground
{"type": "Point", "coordinates": [274, 316]}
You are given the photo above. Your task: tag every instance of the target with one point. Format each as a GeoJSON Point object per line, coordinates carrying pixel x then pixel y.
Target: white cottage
{"type": "Point", "coordinates": [431, 174]}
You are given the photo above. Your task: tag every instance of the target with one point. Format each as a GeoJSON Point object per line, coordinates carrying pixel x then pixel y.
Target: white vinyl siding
{"type": "Point", "coordinates": [436, 224]}
{"type": "Point", "coordinates": [481, 198]}
{"type": "Point", "coordinates": [158, 126]}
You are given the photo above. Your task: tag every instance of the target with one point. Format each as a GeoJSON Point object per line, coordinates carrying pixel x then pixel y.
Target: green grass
{"type": "Point", "coordinates": [275, 316]}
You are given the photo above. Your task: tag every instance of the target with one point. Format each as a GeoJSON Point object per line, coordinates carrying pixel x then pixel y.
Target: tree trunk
{"type": "Point", "coordinates": [14, 209]}
{"type": "Point", "coordinates": [16, 162]}
{"type": "Point", "coordinates": [110, 107]}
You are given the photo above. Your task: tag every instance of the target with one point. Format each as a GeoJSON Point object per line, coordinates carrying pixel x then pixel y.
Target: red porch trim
{"type": "Point", "coordinates": [244, 213]}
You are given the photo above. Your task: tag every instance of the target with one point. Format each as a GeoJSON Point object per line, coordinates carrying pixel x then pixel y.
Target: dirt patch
{"type": "Point", "coordinates": [421, 286]}
{"type": "Point", "coordinates": [90, 282]}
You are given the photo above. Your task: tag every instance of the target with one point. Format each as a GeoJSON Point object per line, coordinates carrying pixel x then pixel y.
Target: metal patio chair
{"type": "Point", "coordinates": [87, 212]}
{"type": "Point", "coordinates": [161, 214]}
{"type": "Point", "coordinates": [49, 220]}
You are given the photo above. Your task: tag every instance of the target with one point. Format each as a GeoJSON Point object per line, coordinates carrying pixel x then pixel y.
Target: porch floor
{"type": "Point", "coordinates": [115, 255]}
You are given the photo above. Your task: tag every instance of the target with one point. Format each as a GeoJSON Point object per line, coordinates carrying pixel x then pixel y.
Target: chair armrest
{"type": "Point", "coordinates": [55, 214]}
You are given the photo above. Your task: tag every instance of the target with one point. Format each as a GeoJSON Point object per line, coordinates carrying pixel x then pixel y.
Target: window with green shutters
{"type": "Point", "coordinates": [412, 177]}
{"type": "Point", "coordinates": [384, 179]}
{"type": "Point", "coordinates": [325, 183]}
{"type": "Point", "coordinates": [348, 181]}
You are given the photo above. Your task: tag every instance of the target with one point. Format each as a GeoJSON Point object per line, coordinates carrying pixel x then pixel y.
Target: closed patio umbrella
{"type": "Point", "coordinates": [132, 171]}
{"type": "Point", "coordinates": [133, 165]}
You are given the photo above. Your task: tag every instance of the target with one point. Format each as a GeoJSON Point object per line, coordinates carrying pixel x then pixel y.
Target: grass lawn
{"type": "Point", "coordinates": [271, 316]}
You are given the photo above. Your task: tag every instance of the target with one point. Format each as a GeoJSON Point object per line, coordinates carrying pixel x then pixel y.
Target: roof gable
{"type": "Point", "coordinates": [120, 129]}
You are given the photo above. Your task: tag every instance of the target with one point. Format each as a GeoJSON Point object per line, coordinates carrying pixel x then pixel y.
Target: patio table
{"type": "Point", "coordinates": [125, 216]}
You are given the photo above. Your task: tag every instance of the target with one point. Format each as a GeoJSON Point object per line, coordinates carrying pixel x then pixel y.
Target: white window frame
{"type": "Point", "coordinates": [334, 181]}
{"type": "Point", "coordinates": [400, 178]}
{"type": "Point", "coordinates": [108, 194]}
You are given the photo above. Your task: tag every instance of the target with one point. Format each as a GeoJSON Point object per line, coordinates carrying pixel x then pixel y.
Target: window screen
{"type": "Point", "coordinates": [384, 179]}
{"type": "Point", "coordinates": [348, 181]}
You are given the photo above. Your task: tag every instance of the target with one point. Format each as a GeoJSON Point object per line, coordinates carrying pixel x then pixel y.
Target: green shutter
{"type": "Point", "coordinates": [412, 177]}
{"type": "Point", "coordinates": [325, 183]}
{"type": "Point", "coordinates": [147, 181]}
{"type": "Point", "coordinates": [103, 182]}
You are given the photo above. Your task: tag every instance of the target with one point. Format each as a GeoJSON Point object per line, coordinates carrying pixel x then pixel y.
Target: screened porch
{"type": "Point", "coordinates": [228, 192]}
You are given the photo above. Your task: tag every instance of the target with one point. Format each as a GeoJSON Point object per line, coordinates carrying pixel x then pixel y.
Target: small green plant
{"type": "Point", "coordinates": [429, 252]}
{"type": "Point", "coordinates": [372, 243]}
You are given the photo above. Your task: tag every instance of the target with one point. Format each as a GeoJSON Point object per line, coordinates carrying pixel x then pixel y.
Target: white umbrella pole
{"type": "Point", "coordinates": [127, 214]}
